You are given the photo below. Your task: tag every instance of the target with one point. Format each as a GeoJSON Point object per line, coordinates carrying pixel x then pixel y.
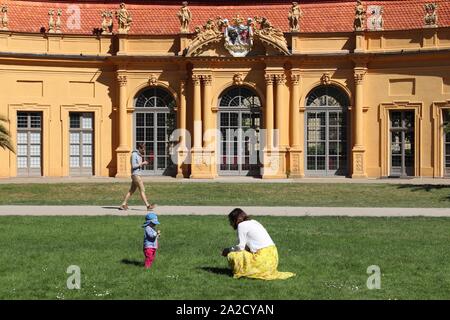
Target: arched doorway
{"type": "Point", "coordinates": [326, 125]}
{"type": "Point", "coordinates": [154, 122]}
{"type": "Point", "coordinates": [239, 124]}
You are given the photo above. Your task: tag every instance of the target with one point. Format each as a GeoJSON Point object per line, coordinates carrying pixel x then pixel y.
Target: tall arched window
{"type": "Point", "coordinates": [154, 122]}
{"type": "Point", "coordinates": [326, 131]}
{"type": "Point", "coordinates": [239, 124]}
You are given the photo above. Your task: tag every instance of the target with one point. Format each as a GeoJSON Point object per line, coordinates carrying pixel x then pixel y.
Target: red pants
{"type": "Point", "coordinates": [149, 254]}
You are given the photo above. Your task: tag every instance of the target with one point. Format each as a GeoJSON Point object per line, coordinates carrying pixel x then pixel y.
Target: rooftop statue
{"type": "Point", "coordinates": [294, 17]}
{"type": "Point", "coordinates": [431, 15]}
{"type": "Point", "coordinates": [4, 18]}
{"type": "Point", "coordinates": [124, 19]}
{"type": "Point", "coordinates": [185, 17]}
{"type": "Point", "coordinates": [360, 16]}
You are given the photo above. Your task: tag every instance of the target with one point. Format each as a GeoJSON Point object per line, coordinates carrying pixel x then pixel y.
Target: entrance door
{"type": "Point", "coordinates": [402, 143]}
{"type": "Point", "coordinates": [240, 121]}
{"type": "Point", "coordinates": [326, 132]}
{"type": "Point", "coordinates": [29, 143]}
{"type": "Point", "coordinates": [81, 139]}
{"type": "Point", "coordinates": [154, 122]}
{"type": "Point", "coordinates": [446, 119]}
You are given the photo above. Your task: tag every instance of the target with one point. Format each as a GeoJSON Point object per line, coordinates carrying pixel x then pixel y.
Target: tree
{"type": "Point", "coordinates": [5, 137]}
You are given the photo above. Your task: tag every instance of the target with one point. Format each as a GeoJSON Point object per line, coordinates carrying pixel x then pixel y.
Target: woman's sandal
{"type": "Point", "coordinates": [151, 206]}
{"type": "Point", "coordinates": [123, 207]}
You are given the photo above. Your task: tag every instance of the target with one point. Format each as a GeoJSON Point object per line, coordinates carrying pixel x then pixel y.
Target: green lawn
{"type": "Point", "coordinates": [243, 194]}
{"type": "Point", "coordinates": [329, 255]}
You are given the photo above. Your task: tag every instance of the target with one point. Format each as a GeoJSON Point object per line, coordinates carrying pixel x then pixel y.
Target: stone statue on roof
{"type": "Point", "coordinates": [185, 17]}
{"type": "Point", "coordinates": [107, 22]}
{"type": "Point", "coordinates": [124, 19]}
{"type": "Point", "coordinates": [51, 21]}
{"type": "Point", "coordinates": [360, 16]}
{"type": "Point", "coordinates": [431, 15]}
{"type": "Point", "coordinates": [58, 21]}
{"type": "Point", "coordinates": [4, 17]}
{"type": "Point", "coordinates": [294, 17]}
{"type": "Point", "coordinates": [375, 20]}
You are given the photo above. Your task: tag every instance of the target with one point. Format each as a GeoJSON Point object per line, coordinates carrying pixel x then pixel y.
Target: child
{"type": "Point", "coordinates": [150, 238]}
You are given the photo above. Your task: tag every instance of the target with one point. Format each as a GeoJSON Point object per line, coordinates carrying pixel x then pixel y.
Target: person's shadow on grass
{"type": "Point", "coordinates": [132, 262]}
{"type": "Point", "coordinates": [224, 271]}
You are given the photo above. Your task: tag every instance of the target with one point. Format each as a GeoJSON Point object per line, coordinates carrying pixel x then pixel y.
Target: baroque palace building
{"type": "Point", "coordinates": [270, 88]}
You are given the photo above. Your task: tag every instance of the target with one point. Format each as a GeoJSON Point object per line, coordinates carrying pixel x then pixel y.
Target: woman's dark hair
{"type": "Point", "coordinates": [140, 145]}
{"type": "Point", "coordinates": [237, 216]}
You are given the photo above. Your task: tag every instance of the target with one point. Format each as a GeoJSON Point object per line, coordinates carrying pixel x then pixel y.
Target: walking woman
{"type": "Point", "coordinates": [256, 255]}
{"type": "Point", "coordinates": [137, 164]}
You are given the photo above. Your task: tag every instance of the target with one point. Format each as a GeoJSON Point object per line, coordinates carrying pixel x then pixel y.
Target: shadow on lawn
{"type": "Point", "coordinates": [132, 262]}
{"type": "Point", "coordinates": [425, 187]}
{"type": "Point", "coordinates": [225, 271]}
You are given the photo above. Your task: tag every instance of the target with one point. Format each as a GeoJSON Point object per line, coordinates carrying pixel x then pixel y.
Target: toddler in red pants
{"type": "Point", "coordinates": [151, 236]}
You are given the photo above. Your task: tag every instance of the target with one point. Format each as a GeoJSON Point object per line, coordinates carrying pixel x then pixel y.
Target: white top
{"type": "Point", "coordinates": [252, 234]}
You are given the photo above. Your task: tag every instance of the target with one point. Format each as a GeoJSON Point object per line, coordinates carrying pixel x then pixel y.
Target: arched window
{"type": "Point", "coordinates": [154, 122]}
{"type": "Point", "coordinates": [326, 131]}
{"type": "Point", "coordinates": [239, 124]}
{"type": "Point", "coordinates": [240, 97]}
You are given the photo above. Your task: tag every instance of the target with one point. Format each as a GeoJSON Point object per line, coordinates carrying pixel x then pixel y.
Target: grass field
{"type": "Point", "coordinates": [243, 194]}
{"type": "Point", "coordinates": [329, 255]}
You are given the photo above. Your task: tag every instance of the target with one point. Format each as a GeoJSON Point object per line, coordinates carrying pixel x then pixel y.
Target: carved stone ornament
{"type": "Point", "coordinates": [431, 18]}
{"type": "Point", "coordinates": [280, 79]}
{"type": "Point", "coordinates": [238, 38]}
{"type": "Point", "coordinates": [375, 20]}
{"type": "Point", "coordinates": [207, 79]}
{"type": "Point", "coordinates": [122, 80]}
{"type": "Point", "coordinates": [238, 79]}
{"type": "Point", "coordinates": [107, 22]}
{"type": "Point", "coordinates": [185, 17]}
{"type": "Point", "coordinates": [124, 19]}
{"type": "Point", "coordinates": [294, 17]}
{"type": "Point", "coordinates": [153, 80]}
{"type": "Point", "coordinates": [205, 35]}
{"type": "Point", "coordinates": [359, 76]}
{"type": "Point", "coordinates": [4, 17]}
{"type": "Point", "coordinates": [269, 78]}
{"type": "Point", "coordinates": [271, 36]}
{"type": "Point", "coordinates": [360, 16]}
{"type": "Point", "coordinates": [325, 79]}
{"type": "Point", "coordinates": [295, 79]}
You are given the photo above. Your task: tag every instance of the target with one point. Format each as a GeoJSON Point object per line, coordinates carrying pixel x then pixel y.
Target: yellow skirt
{"type": "Point", "coordinates": [260, 265]}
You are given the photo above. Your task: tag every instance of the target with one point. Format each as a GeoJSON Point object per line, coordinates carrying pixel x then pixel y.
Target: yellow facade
{"type": "Point", "coordinates": [380, 71]}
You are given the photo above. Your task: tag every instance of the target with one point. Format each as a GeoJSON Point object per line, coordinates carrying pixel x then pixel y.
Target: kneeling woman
{"type": "Point", "coordinates": [256, 255]}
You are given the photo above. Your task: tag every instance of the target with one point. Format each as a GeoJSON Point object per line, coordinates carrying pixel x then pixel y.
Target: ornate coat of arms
{"type": "Point", "coordinates": [238, 37]}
